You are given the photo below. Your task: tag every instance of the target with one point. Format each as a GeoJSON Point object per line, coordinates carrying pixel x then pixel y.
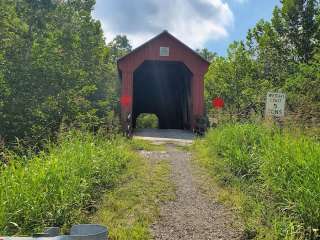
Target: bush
{"type": "Point", "coordinates": [58, 188]}
{"type": "Point", "coordinates": [146, 120]}
{"type": "Point", "coordinates": [278, 171]}
{"type": "Point", "coordinates": [239, 147]}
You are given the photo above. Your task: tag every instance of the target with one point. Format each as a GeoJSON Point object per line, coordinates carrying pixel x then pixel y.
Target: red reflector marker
{"type": "Point", "coordinates": [125, 101]}
{"type": "Point", "coordinates": [218, 103]}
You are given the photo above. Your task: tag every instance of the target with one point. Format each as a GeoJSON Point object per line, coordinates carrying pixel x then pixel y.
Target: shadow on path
{"type": "Point", "coordinates": [165, 135]}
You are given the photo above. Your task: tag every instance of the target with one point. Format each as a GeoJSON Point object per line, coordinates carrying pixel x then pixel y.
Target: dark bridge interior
{"type": "Point", "coordinates": [163, 88]}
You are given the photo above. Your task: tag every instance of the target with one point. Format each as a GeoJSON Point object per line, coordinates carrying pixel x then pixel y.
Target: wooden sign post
{"type": "Point", "coordinates": [275, 107]}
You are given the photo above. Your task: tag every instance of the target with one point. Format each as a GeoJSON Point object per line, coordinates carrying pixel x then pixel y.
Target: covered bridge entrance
{"type": "Point", "coordinates": [163, 77]}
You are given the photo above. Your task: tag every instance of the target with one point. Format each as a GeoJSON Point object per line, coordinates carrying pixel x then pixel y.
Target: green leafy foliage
{"type": "Point", "coordinates": [119, 47]}
{"type": "Point", "coordinates": [206, 54]}
{"type": "Point", "coordinates": [280, 55]}
{"type": "Point", "coordinates": [234, 79]}
{"type": "Point", "coordinates": [60, 187]}
{"type": "Point", "coordinates": [146, 120]}
{"type": "Point", "coordinates": [55, 68]}
{"type": "Point", "coordinates": [304, 92]}
{"type": "Point", "coordinates": [277, 172]}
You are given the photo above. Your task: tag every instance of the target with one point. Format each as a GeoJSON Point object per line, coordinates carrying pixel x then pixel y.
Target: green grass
{"type": "Point", "coordinates": [133, 205]}
{"type": "Point", "coordinates": [139, 144]}
{"type": "Point", "coordinates": [59, 187]}
{"type": "Point", "coordinates": [273, 179]}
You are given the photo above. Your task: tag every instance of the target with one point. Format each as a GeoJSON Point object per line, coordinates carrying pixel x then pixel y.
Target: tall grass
{"type": "Point", "coordinates": [58, 187]}
{"type": "Point", "coordinates": [280, 173]}
{"type": "Point", "coordinates": [134, 204]}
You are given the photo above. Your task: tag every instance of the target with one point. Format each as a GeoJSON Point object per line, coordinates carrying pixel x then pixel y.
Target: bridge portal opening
{"type": "Point", "coordinates": [164, 89]}
{"type": "Point", "coordinates": [147, 121]}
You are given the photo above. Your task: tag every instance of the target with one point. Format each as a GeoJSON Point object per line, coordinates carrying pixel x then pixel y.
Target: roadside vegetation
{"type": "Point", "coordinates": [146, 120]}
{"type": "Point", "coordinates": [56, 69]}
{"type": "Point", "coordinates": [271, 178]}
{"type": "Point", "coordinates": [57, 73]}
{"type": "Point", "coordinates": [270, 174]}
{"type": "Point", "coordinates": [60, 186]}
{"type": "Point", "coordinates": [280, 55]}
{"type": "Point", "coordinates": [133, 206]}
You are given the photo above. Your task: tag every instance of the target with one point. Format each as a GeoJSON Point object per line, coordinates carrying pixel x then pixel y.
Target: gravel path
{"type": "Point", "coordinates": [192, 215]}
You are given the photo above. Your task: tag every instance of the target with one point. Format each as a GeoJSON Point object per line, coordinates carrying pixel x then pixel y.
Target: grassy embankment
{"type": "Point", "coordinates": [65, 185]}
{"type": "Point", "coordinates": [134, 205]}
{"type": "Point", "coordinates": [271, 178]}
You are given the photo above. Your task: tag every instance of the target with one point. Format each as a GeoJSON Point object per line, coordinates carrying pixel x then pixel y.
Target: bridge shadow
{"type": "Point", "coordinates": [165, 135]}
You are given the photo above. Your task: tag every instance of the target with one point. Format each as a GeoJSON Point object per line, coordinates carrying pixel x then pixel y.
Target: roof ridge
{"type": "Point", "coordinates": [157, 36]}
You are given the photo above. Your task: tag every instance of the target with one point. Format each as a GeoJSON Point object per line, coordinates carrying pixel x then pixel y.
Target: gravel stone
{"type": "Point", "coordinates": [192, 215]}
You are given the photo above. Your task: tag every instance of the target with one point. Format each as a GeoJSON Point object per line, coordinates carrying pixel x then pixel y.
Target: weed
{"type": "Point", "coordinates": [274, 178]}
{"type": "Point", "coordinates": [59, 187]}
{"type": "Point", "coordinates": [133, 205]}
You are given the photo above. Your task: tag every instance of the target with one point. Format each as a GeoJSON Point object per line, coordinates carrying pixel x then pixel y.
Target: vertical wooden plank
{"type": "Point", "coordinates": [197, 96]}
{"type": "Point", "coordinates": [194, 99]}
{"type": "Point", "coordinates": [179, 53]}
{"type": "Point", "coordinates": [126, 91]}
{"type": "Point", "coordinates": [201, 94]}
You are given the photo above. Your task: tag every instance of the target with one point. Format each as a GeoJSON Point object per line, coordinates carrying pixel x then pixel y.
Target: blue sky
{"type": "Point", "coordinates": [246, 15]}
{"type": "Point", "coordinates": [199, 23]}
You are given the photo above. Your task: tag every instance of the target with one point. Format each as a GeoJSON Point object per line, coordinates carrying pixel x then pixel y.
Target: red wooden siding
{"type": "Point", "coordinates": [178, 52]}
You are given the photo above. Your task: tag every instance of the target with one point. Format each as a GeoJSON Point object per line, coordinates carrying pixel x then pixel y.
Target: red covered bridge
{"type": "Point", "coordinates": [164, 77]}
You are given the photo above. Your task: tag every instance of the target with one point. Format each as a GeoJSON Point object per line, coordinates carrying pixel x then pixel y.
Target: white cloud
{"type": "Point", "coordinates": [193, 21]}
{"type": "Point", "coordinates": [242, 1]}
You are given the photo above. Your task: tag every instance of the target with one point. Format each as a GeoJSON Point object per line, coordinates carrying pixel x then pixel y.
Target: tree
{"type": "Point", "coordinates": [299, 18]}
{"type": "Point", "coordinates": [304, 92]}
{"type": "Point", "coordinates": [119, 47]}
{"type": "Point", "coordinates": [235, 79]}
{"type": "Point", "coordinates": [206, 54]}
{"type": "Point", "coordinates": [56, 69]}
{"type": "Point", "coordinates": [7, 41]}
{"type": "Point", "coordinates": [280, 55]}
{"type": "Point", "coordinates": [271, 54]}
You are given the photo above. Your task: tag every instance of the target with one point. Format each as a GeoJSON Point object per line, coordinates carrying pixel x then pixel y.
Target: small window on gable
{"type": "Point", "coordinates": [164, 52]}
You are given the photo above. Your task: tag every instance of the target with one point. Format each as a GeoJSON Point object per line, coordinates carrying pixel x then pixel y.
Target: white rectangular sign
{"type": "Point", "coordinates": [275, 105]}
{"type": "Point", "coordinates": [164, 52]}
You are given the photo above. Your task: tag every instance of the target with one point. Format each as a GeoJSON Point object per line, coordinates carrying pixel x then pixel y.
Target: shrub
{"type": "Point", "coordinates": [59, 187]}
{"type": "Point", "coordinates": [291, 171]}
{"type": "Point", "coordinates": [146, 120]}
{"type": "Point", "coordinates": [278, 171]}
{"type": "Point", "coordinates": [239, 147]}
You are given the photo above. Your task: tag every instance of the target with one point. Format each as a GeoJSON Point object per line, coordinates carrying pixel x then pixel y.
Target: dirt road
{"type": "Point", "coordinates": [192, 215]}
